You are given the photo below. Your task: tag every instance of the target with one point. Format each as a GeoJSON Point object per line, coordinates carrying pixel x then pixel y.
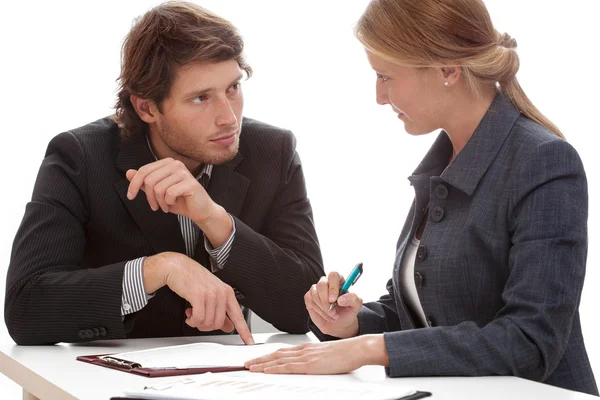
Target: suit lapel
{"type": "Point", "coordinates": [162, 230]}
{"type": "Point", "coordinates": [228, 189]}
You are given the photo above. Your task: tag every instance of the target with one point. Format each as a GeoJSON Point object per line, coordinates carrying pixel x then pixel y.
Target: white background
{"type": "Point", "coordinates": [60, 59]}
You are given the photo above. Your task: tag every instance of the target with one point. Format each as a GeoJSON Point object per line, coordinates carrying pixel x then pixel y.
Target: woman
{"type": "Point", "coordinates": [491, 260]}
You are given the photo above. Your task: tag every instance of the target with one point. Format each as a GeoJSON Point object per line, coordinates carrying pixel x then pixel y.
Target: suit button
{"type": "Point", "coordinates": [437, 213]}
{"type": "Point", "coordinates": [102, 331]}
{"type": "Point", "coordinates": [441, 192]}
{"type": "Point", "coordinates": [418, 280]}
{"type": "Point", "coordinates": [96, 332]}
{"type": "Point", "coordinates": [82, 334]}
{"type": "Point", "coordinates": [421, 253]}
{"type": "Point", "coordinates": [239, 295]}
{"type": "Point", "coordinates": [89, 333]}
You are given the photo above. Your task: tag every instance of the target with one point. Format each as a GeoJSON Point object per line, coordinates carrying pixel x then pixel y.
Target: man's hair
{"type": "Point", "coordinates": [168, 36]}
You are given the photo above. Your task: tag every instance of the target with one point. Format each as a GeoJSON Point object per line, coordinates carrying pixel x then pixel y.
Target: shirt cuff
{"type": "Point", "coordinates": [134, 297]}
{"type": "Point", "coordinates": [218, 257]}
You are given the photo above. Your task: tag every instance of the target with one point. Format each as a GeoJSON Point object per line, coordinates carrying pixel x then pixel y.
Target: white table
{"type": "Point", "coordinates": [51, 372]}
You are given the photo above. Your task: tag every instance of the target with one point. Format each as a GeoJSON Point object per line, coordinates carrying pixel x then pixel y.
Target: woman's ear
{"type": "Point", "coordinates": [450, 74]}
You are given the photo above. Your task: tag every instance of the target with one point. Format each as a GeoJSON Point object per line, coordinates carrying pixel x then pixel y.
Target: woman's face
{"type": "Point", "coordinates": [415, 94]}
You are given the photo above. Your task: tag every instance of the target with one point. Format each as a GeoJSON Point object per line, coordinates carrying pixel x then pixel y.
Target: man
{"type": "Point", "coordinates": [164, 219]}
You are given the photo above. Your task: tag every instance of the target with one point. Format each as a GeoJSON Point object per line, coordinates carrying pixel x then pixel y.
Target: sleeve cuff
{"type": "Point", "coordinates": [134, 297]}
{"type": "Point", "coordinates": [369, 322]}
{"type": "Point", "coordinates": [323, 337]}
{"type": "Point", "coordinates": [218, 257]}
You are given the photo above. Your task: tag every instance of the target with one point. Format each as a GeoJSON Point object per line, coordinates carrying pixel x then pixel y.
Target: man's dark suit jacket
{"type": "Point", "coordinates": [64, 282]}
{"type": "Point", "coordinates": [501, 262]}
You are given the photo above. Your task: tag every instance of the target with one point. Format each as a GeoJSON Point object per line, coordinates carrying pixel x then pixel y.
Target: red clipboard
{"type": "Point", "coordinates": [104, 360]}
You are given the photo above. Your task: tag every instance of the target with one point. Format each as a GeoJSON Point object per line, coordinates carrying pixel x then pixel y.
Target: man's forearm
{"type": "Point", "coordinates": [156, 269]}
{"type": "Point", "coordinates": [217, 227]}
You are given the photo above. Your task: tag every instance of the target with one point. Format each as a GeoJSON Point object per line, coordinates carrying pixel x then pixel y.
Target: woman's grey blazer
{"type": "Point", "coordinates": [501, 262]}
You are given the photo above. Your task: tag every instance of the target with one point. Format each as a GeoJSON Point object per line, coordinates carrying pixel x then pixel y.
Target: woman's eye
{"type": "Point", "coordinates": [382, 77]}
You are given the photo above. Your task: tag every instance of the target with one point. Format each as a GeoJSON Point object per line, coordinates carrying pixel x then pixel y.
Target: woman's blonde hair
{"type": "Point", "coordinates": [437, 33]}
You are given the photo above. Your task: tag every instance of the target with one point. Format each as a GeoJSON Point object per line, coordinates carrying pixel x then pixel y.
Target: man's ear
{"type": "Point", "coordinates": [450, 74]}
{"type": "Point", "coordinates": [145, 109]}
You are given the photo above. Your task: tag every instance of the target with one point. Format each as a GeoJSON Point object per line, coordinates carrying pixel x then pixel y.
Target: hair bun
{"type": "Point", "coordinates": [506, 41]}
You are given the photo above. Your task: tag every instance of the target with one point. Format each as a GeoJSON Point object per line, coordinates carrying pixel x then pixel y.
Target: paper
{"type": "Point", "coordinates": [259, 386]}
{"type": "Point", "coordinates": [198, 355]}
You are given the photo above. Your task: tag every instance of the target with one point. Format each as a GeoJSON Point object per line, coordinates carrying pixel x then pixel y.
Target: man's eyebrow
{"type": "Point", "coordinates": [200, 92]}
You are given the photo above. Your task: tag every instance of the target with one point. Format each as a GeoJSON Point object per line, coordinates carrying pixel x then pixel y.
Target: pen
{"type": "Point", "coordinates": [351, 280]}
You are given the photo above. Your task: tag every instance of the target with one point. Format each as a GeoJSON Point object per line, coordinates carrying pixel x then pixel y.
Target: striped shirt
{"type": "Point", "coordinates": [134, 297]}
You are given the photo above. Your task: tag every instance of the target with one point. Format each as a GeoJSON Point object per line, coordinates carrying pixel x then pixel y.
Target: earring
{"type": "Point", "coordinates": [446, 84]}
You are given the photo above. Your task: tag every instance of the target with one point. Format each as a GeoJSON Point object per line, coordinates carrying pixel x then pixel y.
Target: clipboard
{"type": "Point", "coordinates": [187, 359]}
{"type": "Point", "coordinates": [105, 360]}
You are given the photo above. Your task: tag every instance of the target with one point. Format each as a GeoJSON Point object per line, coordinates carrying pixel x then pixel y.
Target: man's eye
{"type": "Point", "coordinates": [198, 99]}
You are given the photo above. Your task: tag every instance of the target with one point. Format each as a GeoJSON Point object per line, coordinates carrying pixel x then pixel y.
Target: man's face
{"type": "Point", "coordinates": [201, 119]}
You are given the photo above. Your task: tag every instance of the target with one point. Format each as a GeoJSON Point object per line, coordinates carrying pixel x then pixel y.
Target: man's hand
{"type": "Point", "coordinates": [214, 305]}
{"type": "Point", "coordinates": [170, 186]}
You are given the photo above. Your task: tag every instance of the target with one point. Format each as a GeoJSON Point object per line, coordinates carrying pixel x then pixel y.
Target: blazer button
{"type": "Point", "coordinates": [81, 334]}
{"type": "Point", "coordinates": [421, 253]}
{"type": "Point", "coordinates": [437, 213]}
{"type": "Point", "coordinates": [102, 331]}
{"type": "Point", "coordinates": [89, 333]}
{"type": "Point", "coordinates": [96, 332]}
{"type": "Point", "coordinates": [441, 192]}
{"type": "Point", "coordinates": [418, 280]}
{"type": "Point", "coordinates": [239, 295]}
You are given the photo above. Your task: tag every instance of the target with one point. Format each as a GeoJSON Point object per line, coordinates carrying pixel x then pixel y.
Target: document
{"type": "Point", "coordinates": [253, 386]}
{"type": "Point", "coordinates": [195, 358]}
{"type": "Point", "coordinates": [197, 355]}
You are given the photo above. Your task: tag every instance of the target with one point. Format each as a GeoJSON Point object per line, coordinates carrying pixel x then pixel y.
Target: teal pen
{"type": "Point", "coordinates": [351, 280]}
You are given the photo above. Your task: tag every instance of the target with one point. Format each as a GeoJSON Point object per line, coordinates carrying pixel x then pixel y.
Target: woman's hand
{"type": "Point", "coordinates": [335, 357]}
{"type": "Point", "coordinates": [342, 321]}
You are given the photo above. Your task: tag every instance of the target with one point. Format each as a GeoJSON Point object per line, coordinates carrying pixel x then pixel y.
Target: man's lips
{"type": "Point", "coordinates": [226, 139]}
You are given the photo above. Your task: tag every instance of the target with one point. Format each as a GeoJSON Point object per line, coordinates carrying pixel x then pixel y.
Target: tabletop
{"type": "Point", "coordinates": [52, 372]}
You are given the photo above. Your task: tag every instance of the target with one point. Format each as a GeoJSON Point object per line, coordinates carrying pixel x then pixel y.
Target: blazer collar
{"type": "Point", "coordinates": [472, 162]}
{"type": "Point", "coordinates": [134, 153]}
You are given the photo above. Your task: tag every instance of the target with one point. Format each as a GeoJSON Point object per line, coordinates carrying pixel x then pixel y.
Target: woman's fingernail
{"type": "Point", "coordinates": [342, 301]}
